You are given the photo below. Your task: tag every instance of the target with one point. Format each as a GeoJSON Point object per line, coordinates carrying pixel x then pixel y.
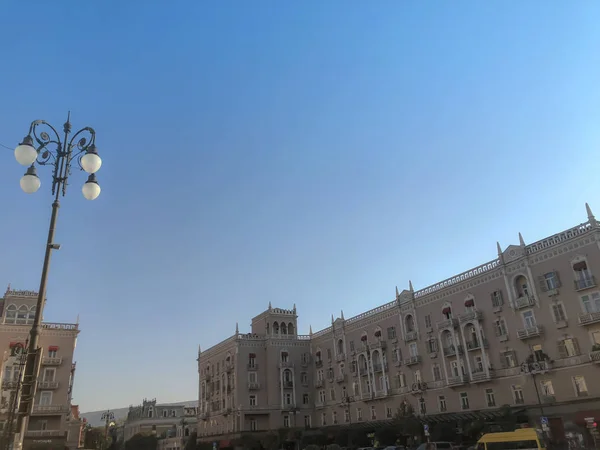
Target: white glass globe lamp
{"type": "Point", "coordinates": [91, 162]}
{"type": "Point", "coordinates": [91, 188]}
{"type": "Point", "coordinates": [30, 182]}
{"type": "Point", "coordinates": [25, 153]}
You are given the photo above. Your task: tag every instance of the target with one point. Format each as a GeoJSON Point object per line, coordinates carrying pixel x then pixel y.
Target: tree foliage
{"type": "Point", "coordinates": [270, 441]}
{"type": "Point", "coordinates": [406, 422]}
{"type": "Point", "coordinates": [141, 442]}
{"type": "Point", "coordinates": [94, 438]}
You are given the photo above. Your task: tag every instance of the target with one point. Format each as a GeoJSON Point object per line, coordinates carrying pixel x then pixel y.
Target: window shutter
{"type": "Point", "coordinates": [542, 283]}
{"type": "Point", "coordinates": [562, 350]}
{"type": "Point", "coordinates": [557, 278]}
{"type": "Point", "coordinates": [576, 346]}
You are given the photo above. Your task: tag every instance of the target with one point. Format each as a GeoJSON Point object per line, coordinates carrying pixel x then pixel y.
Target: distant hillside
{"type": "Point", "coordinates": [94, 418]}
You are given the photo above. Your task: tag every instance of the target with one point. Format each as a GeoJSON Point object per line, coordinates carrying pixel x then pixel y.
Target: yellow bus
{"type": "Point", "coordinates": [520, 439]}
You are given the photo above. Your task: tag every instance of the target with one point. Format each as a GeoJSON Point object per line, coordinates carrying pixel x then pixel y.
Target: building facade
{"type": "Point", "coordinates": [521, 330]}
{"type": "Point", "coordinates": [163, 420]}
{"type": "Point", "coordinates": [51, 421]}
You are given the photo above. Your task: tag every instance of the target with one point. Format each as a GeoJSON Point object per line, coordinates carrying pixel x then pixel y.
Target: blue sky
{"type": "Point", "coordinates": [317, 153]}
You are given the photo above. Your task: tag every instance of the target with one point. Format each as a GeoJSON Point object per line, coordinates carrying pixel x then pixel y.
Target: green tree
{"type": "Point", "coordinates": [141, 442]}
{"type": "Point", "coordinates": [94, 438]}
{"type": "Point", "coordinates": [386, 435]}
{"type": "Point", "coordinates": [359, 438]}
{"type": "Point", "coordinates": [406, 421]}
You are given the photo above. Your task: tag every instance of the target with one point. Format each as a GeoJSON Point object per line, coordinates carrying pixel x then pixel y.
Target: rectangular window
{"type": "Point", "coordinates": [428, 321]}
{"type": "Point", "coordinates": [304, 378]}
{"type": "Point", "coordinates": [464, 400]}
{"type": "Point", "coordinates": [252, 377]}
{"type": "Point", "coordinates": [332, 394]}
{"type": "Point", "coordinates": [323, 419]}
{"type": "Point", "coordinates": [334, 417]}
{"type": "Point", "coordinates": [251, 361]}
{"type": "Point", "coordinates": [490, 398]}
{"type": "Point", "coordinates": [49, 374]}
{"type": "Point", "coordinates": [558, 312]}
{"type": "Point", "coordinates": [329, 354]}
{"type": "Point", "coordinates": [529, 319]}
{"type": "Point", "coordinates": [508, 359]}
{"type": "Point", "coordinates": [286, 421]}
{"type": "Point", "coordinates": [351, 346]}
{"type": "Point", "coordinates": [359, 413]}
{"type": "Point", "coordinates": [595, 337]}
{"type": "Point", "coordinates": [500, 327]}
{"type": "Point", "coordinates": [52, 352]}
{"type": "Point", "coordinates": [580, 386]}
{"type": "Point", "coordinates": [422, 406]}
{"type": "Point", "coordinates": [547, 388]}
{"type": "Point", "coordinates": [591, 302]}
{"type": "Point", "coordinates": [432, 346]}
{"type": "Point", "coordinates": [442, 403]}
{"type": "Point", "coordinates": [413, 349]}
{"type": "Point", "coordinates": [549, 281]}
{"type": "Point", "coordinates": [347, 415]}
{"type": "Point", "coordinates": [568, 347]}
{"type": "Point", "coordinates": [388, 412]}
{"type": "Point", "coordinates": [355, 388]}
{"type": "Point", "coordinates": [45, 398]}
{"type": "Point", "coordinates": [307, 421]}
{"type": "Point", "coordinates": [322, 396]}
{"type": "Point", "coordinates": [253, 401]}
{"type": "Point", "coordinates": [497, 300]}
{"type": "Point", "coordinates": [253, 425]}
{"type": "Point", "coordinates": [391, 333]}
{"type": "Point", "coordinates": [305, 399]}
{"type": "Point", "coordinates": [287, 397]}
{"type": "Point", "coordinates": [437, 372]}
{"type": "Point", "coordinates": [373, 413]}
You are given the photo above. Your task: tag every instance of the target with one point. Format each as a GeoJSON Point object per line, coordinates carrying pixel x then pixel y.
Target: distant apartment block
{"type": "Point", "coordinates": [53, 421]}
{"type": "Point", "coordinates": [522, 330]}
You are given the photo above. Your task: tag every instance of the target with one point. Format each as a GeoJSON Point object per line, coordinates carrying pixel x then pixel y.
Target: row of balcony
{"type": "Point", "coordinates": [45, 433]}
{"type": "Point", "coordinates": [46, 385]}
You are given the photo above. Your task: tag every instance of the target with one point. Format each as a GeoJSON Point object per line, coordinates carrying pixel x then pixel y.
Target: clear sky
{"type": "Point", "coordinates": [317, 153]}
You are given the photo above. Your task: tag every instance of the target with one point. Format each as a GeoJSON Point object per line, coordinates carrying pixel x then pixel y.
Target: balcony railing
{"type": "Point", "coordinates": [340, 357]}
{"type": "Point", "coordinates": [48, 384]}
{"type": "Point", "coordinates": [470, 316]}
{"type": "Point", "coordinates": [476, 344]}
{"type": "Point", "coordinates": [525, 301]}
{"type": "Point", "coordinates": [413, 360]}
{"type": "Point", "coordinates": [378, 344]}
{"type": "Point", "coordinates": [45, 433]}
{"type": "Point", "coordinates": [49, 410]}
{"type": "Point", "coordinates": [595, 356]}
{"type": "Point", "coordinates": [286, 365]}
{"type": "Point", "coordinates": [288, 384]}
{"type": "Point", "coordinates": [589, 318]}
{"type": "Point", "coordinates": [457, 381]}
{"type": "Point", "coordinates": [479, 376]}
{"type": "Point", "coordinates": [380, 367]}
{"type": "Point", "coordinates": [411, 336]}
{"type": "Point", "coordinates": [451, 350]}
{"type": "Point", "coordinates": [51, 361]}
{"type": "Point", "coordinates": [530, 332]}
{"type": "Point", "coordinates": [9, 384]}
{"type": "Point", "coordinates": [449, 323]}
{"type": "Point", "coordinates": [585, 283]}
{"type": "Point", "coordinates": [536, 367]}
{"type": "Point", "coordinates": [253, 386]}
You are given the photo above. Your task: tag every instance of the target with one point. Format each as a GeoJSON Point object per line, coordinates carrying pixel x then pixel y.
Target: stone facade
{"type": "Point", "coordinates": [520, 330]}
{"type": "Point", "coordinates": [163, 420]}
{"type": "Point", "coordinates": [52, 420]}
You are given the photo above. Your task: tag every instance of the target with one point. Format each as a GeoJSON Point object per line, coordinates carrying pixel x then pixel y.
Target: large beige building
{"type": "Point", "coordinates": [522, 329]}
{"type": "Point", "coordinates": [52, 420]}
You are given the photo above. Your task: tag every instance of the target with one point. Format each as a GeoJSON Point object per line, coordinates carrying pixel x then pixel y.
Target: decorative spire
{"type": "Point", "coordinates": [237, 328]}
{"type": "Point", "coordinates": [590, 215]}
{"type": "Point", "coordinates": [342, 311]}
{"type": "Point", "coordinates": [397, 293]}
{"type": "Point", "coordinates": [270, 307]}
{"type": "Point", "coordinates": [199, 350]}
{"type": "Point", "coordinates": [500, 254]}
{"type": "Point", "coordinates": [77, 322]}
{"type": "Point", "coordinates": [332, 318]}
{"type": "Point", "coordinates": [294, 309]}
{"type": "Point", "coordinates": [310, 330]}
{"type": "Point", "coordinates": [521, 241]}
{"type": "Point", "coordinates": [410, 286]}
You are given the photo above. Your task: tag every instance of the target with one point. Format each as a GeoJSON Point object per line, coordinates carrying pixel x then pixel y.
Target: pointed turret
{"type": "Point", "coordinates": [270, 307]}
{"type": "Point", "coordinates": [500, 254]}
{"type": "Point", "coordinates": [590, 215]}
{"type": "Point", "coordinates": [342, 311]}
{"type": "Point", "coordinates": [397, 293]}
{"type": "Point", "coordinates": [332, 319]}
{"type": "Point", "coordinates": [237, 328]}
{"type": "Point", "coordinates": [410, 286]}
{"type": "Point", "coordinates": [294, 309]}
{"type": "Point", "coordinates": [310, 330]}
{"type": "Point", "coordinates": [521, 241]}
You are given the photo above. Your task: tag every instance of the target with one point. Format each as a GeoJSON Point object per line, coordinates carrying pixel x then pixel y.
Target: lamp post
{"type": "Point", "coordinates": [537, 364]}
{"type": "Point", "coordinates": [43, 145]}
{"type": "Point", "coordinates": [108, 416]}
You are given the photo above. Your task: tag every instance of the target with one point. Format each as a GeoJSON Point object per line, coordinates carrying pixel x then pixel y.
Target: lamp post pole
{"type": "Point", "coordinates": [43, 145]}
{"type": "Point", "coordinates": [346, 401]}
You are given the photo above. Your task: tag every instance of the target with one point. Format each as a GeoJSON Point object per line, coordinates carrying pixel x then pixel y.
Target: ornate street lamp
{"type": "Point", "coordinates": [43, 145]}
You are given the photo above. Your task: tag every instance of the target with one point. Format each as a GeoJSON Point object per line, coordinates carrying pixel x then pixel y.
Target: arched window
{"type": "Point", "coordinates": [522, 286]}
{"type": "Point", "coordinates": [22, 314]}
{"type": "Point", "coordinates": [31, 315]}
{"type": "Point", "coordinates": [287, 376]}
{"type": "Point", "coordinates": [11, 314]}
{"type": "Point", "coordinates": [470, 304]}
{"type": "Point", "coordinates": [340, 347]}
{"type": "Point", "coordinates": [447, 312]}
{"type": "Point", "coordinates": [275, 328]}
{"type": "Point", "coordinates": [410, 324]}
{"type": "Point", "coordinates": [150, 412]}
{"type": "Point", "coordinates": [291, 329]}
{"type": "Point", "coordinates": [283, 328]}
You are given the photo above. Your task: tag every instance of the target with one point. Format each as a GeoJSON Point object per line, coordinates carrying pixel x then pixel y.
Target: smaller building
{"type": "Point", "coordinates": [166, 421]}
